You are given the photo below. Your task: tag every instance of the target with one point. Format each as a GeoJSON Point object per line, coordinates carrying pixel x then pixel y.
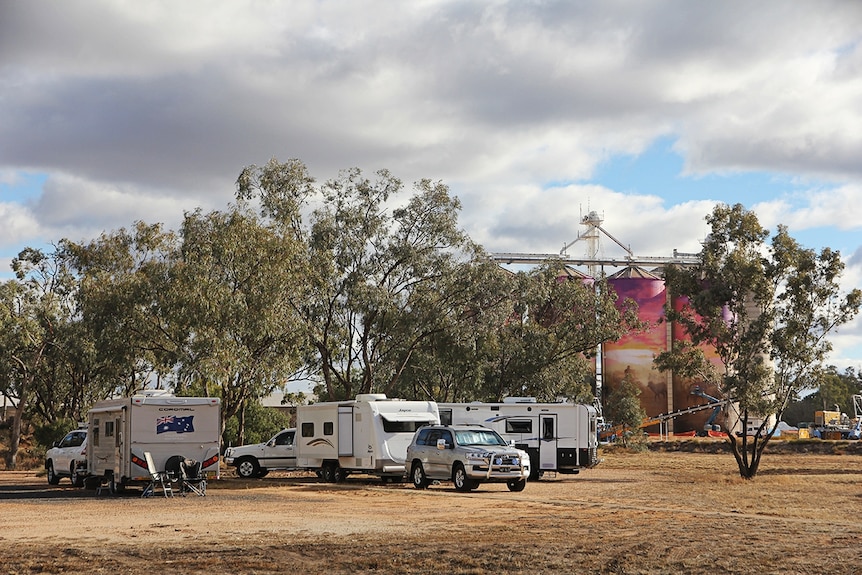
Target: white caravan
{"type": "Point", "coordinates": [367, 435]}
{"type": "Point", "coordinates": [121, 431]}
{"type": "Point", "coordinates": [560, 437]}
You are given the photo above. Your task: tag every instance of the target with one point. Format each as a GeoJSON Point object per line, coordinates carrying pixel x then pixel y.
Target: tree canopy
{"type": "Point", "coordinates": [766, 310]}
{"type": "Point", "coordinates": [355, 284]}
{"type": "Point", "coordinates": [359, 284]}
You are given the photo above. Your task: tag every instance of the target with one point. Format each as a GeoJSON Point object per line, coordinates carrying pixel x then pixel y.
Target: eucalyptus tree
{"type": "Point", "coordinates": [623, 407]}
{"type": "Point", "coordinates": [532, 334]}
{"type": "Point", "coordinates": [453, 361]}
{"type": "Point", "coordinates": [392, 285]}
{"type": "Point", "coordinates": [380, 268]}
{"type": "Point", "coordinates": [766, 311]}
{"type": "Point", "coordinates": [124, 276]}
{"type": "Point", "coordinates": [230, 295]}
{"type": "Point", "coordinates": [34, 307]}
{"type": "Point", "coordinates": [546, 347]}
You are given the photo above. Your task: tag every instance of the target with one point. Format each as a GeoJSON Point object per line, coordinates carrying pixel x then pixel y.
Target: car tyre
{"type": "Point", "coordinates": [420, 480]}
{"type": "Point", "coordinates": [516, 484]}
{"type": "Point", "coordinates": [248, 467]}
{"type": "Point", "coordinates": [461, 481]}
{"type": "Point", "coordinates": [53, 478]}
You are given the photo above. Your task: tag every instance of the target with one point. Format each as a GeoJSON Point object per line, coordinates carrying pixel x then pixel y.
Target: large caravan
{"type": "Point", "coordinates": [367, 435]}
{"type": "Point", "coordinates": [122, 431]}
{"type": "Point", "coordinates": [560, 437]}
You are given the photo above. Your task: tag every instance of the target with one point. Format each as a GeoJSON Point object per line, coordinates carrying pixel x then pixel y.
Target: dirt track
{"type": "Point", "coordinates": [635, 513]}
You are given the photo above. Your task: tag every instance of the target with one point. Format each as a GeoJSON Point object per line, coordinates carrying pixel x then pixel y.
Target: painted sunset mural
{"type": "Point", "coordinates": [631, 357]}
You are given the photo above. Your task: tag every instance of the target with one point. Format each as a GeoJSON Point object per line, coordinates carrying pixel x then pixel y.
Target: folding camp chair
{"type": "Point", "coordinates": [192, 478]}
{"type": "Point", "coordinates": [158, 479]}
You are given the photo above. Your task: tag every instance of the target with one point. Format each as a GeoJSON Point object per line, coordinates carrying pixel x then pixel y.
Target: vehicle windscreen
{"type": "Point", "coordinates": [478, 437]}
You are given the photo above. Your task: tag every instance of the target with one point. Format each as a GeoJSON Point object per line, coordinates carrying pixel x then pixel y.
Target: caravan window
{"type": "Point", "coordinates": [547, 428]}
{"type": "Point", "coordinates": [519, 426]}
{"type": "Point", "coordinates": [445, 417]}
{"type": "Point", "coordinates": [328, 428]}
{"type": "Point", "coordinates": [109, 429]}
{"type": "Point", "coordinates": [308, 429]}
{"type": "Point", "coordinates": [402, 426]}
{"type": "Point", "coordinates": [95, 438]}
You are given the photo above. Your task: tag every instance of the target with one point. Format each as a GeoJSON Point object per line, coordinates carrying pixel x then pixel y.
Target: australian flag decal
{"type": "Point", "coordinates": [175, 424]}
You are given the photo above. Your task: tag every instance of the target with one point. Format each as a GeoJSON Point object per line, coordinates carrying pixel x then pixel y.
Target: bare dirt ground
{"type": "Point", "coordinates": [654, 512]}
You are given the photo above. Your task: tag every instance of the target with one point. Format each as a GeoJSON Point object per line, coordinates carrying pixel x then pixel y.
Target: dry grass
{"type": "Point", "coordinates": [655, 512]}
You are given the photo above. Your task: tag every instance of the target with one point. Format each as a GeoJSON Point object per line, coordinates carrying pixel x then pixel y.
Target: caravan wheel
{"type": "Point", "coordinates": [338, 474]}
{"type": "Point", "coordinates": [327, 473]}
{"type": "Point", "coordinates": [117, 486]}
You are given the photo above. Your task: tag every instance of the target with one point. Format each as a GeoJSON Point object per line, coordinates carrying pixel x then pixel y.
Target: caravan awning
{"type": "Point", "coordinates": [408, 416]}
{"type": "Point", "coordinates": [117, 407]}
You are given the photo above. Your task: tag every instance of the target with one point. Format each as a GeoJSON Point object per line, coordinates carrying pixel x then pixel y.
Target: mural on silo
{"type": "Point", "coordinates": [685, 389]}
{"type": "Point", "coordinates": [632, 356]}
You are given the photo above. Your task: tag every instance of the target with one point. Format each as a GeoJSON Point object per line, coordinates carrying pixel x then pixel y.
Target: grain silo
{"type": "Point", "coordinates": [632, 356]}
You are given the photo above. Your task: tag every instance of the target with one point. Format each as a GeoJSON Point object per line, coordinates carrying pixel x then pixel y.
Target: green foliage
{"type": "Point", "coordinates": [623, 409]}
{"type": "Point", "coordinates": [835, 389]}
{"type": "Point", "coordinates": [529, 333]}
{"type": "Point", "coordinates": [765, 310]}
{"type": "Point", "coordinates": [261, 423]}
{"type": "Point", "coordinates": [351, 286]}
{"type": "Point", "coordinates": [230, 296]}
{"type": "Point", "coordinates": [46, 434]}
{"type": "Point", "coordinates": [124, 279]}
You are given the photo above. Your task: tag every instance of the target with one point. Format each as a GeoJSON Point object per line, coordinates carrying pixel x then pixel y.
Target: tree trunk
{"type": "Point", "coordinates": [15, 435]}
{"type": "Point", "coordinates": [241, 430]}
{"type": "Point", "coordinates": [747, 455]}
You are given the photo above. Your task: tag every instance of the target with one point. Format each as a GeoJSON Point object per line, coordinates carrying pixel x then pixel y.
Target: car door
{"type": "Point", "coordinates": [67, 450]}
{"type": "Point", "coordinates": [279, 452]}
{"type": "Point", "coordinates": [438, 459]}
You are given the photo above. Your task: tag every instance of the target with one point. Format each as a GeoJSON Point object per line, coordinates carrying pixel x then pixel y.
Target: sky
{"type": "Point", "coordinates": [534, 113]}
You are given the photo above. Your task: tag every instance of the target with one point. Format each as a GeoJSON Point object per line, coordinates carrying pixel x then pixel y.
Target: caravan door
{"type": "Point", "coordinates": [547, 441]}
{"type": "Point", "coordinates": [345, 431]}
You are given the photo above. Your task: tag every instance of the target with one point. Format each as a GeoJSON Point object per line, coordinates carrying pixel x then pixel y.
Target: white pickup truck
{"type": "Point", "coordinates": [68, 458]}
{"type": "Point", "coordinates": [258, 459]}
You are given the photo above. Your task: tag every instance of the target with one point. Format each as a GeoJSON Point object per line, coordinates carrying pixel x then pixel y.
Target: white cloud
{"type": "Point", "coordinates": [17, 224]}
{"type": "Point", "coordinates": [80, 209]}
{"type": "Point", "coordinates": [142, 110]}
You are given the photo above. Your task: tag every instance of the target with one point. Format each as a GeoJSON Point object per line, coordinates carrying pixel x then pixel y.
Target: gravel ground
{"type": "Point", "coordinates": [655, 512]}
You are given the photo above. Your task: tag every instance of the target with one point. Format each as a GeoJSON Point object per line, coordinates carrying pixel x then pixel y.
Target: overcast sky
{"type": "Point", "coordinates": [534, 113]}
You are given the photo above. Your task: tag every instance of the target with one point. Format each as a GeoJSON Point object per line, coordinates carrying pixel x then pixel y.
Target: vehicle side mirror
{"type": "Point", "coordinates": [441, 444]}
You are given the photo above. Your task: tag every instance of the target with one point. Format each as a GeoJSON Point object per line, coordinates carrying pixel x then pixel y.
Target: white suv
{"type": "Point", "coordinates": [68, 458]}
{"type": "Point", "coordinates": [467, 455]}
{"type": "Point", "coordinates": [260, 458]}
